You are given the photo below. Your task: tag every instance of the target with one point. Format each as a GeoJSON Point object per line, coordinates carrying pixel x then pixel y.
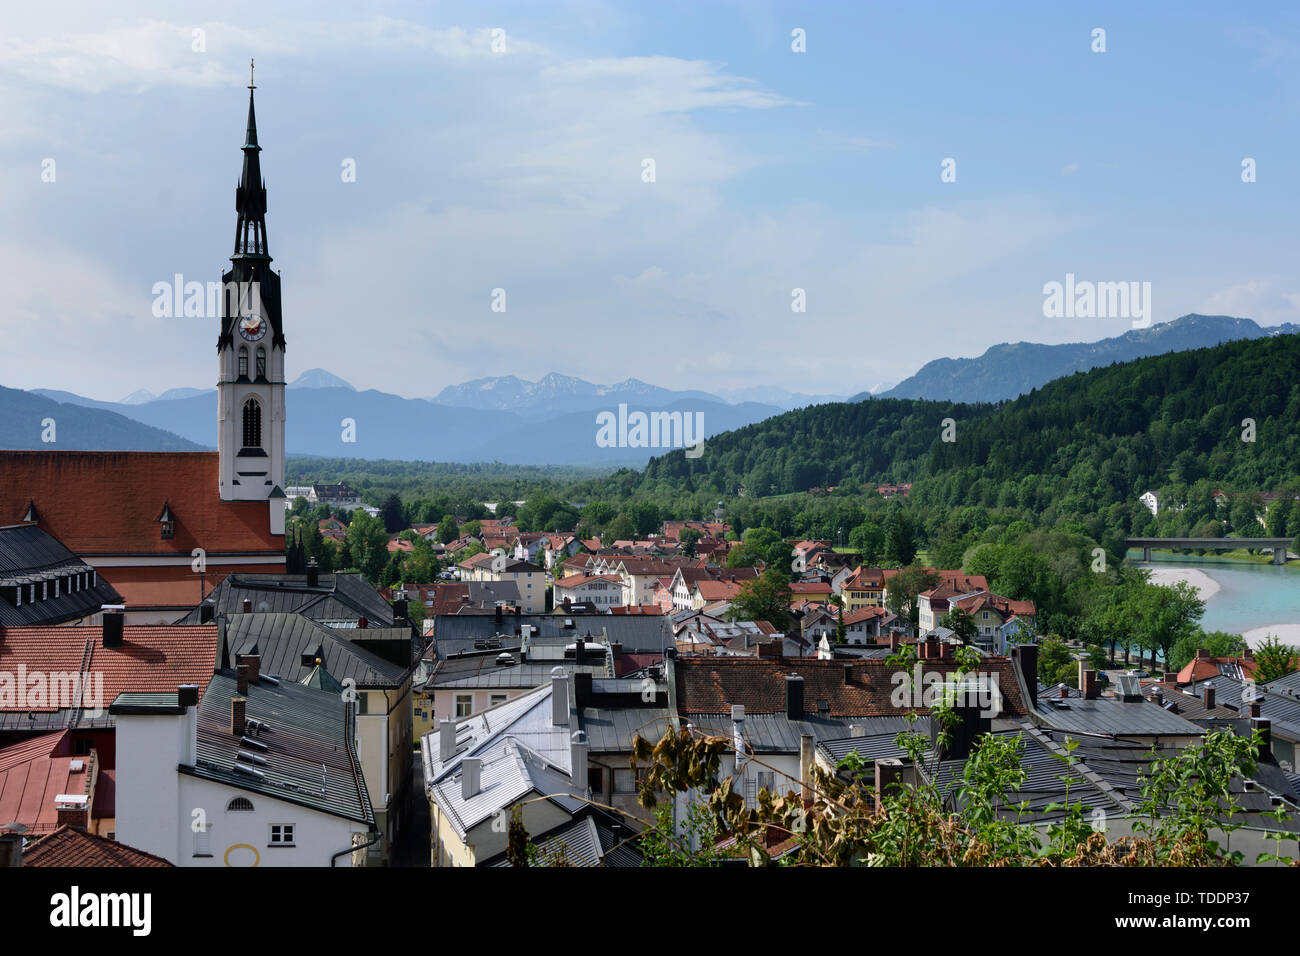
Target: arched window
{"type": "Point", "coordinates": [261, 362]}
{"type": "Point", "coordinates": [239, 803]}
{"type": "Point", "coordinates": [243, 361]}
{"type": "Point", "coordinates": [252, 424]}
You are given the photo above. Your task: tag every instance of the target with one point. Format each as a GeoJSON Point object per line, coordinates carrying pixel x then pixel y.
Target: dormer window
{"type": "Point", "coordinates": [167, 522]}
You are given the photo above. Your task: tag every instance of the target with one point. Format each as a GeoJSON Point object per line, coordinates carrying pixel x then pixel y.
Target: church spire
{"type": "Point", "coordinates": [250, 195]}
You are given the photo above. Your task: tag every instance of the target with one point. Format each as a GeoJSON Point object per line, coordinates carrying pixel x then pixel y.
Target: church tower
{"type": "Point", "coordinates": [250, 349]}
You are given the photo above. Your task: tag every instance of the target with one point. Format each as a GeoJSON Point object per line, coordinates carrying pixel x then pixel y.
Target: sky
{"type": "Point", "coordinates": [523, 169]}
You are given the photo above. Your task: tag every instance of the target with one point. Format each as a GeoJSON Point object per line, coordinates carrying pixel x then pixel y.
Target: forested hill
{"type": "Point", "coordinates": [1078, 444]}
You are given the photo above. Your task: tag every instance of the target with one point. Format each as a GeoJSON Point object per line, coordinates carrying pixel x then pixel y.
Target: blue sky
{"type": "Point", "coordinates": [479, 170]}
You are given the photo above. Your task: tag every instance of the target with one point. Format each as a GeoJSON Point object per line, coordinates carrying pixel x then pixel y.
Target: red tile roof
{"type": "Point", "coordinates": [68, 846]}
{"type": "Point", "coordinates": [152, 658]}
{"type": "Point", "coordinates": [637, 609]}
{"type": "Point", "coordinates": [710, 685]}
{"type": "Point", "coordinates": [108, 502]}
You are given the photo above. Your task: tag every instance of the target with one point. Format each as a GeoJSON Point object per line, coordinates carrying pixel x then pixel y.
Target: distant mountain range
{"type": "Point", "coordinates": [1008, 370]}
{"type": "Point", "coordinates": [553, 420]}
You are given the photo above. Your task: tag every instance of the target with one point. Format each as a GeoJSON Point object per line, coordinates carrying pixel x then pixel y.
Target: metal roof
{"type": "Point", "coordinates": [335, 597]}
{"type": "Point", "coordinates": [638, 634]}
{"type": "Point", "coordinates": [587, 841]}
{"type": "Point", "coordinates": [310, 760]}
{"type": "Point", "coordinates": [612, 729]}
{"type": "Point", "coordinates": [1108, 715]}
{"type": "Point", "coordinates": [29, 555]}
{"type": "Point", "coordinates": [282, 640]}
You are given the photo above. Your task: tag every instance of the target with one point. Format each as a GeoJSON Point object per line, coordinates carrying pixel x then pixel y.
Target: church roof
{"type": "Point", "coordinates": [108, 502]}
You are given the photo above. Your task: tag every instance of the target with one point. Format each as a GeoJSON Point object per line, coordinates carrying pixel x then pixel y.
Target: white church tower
{"type": "Point", "coordinates": [250, 352]}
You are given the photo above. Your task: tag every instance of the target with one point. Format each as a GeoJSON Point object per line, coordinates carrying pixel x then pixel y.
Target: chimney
{"type": "Point", "coordinates": [518, 610]}
{"type": "Point", "coordinates": [362, 624]}
{"type": "Point", "coordinates": [469, 776]}
{"type": "Point", "coordinates": [895, 639]}
{"type": "Point", "coordinates": [559, 697]}
{"type": "Point", "coordinates": [1171, 677]}
{"type": "Point", "coordinates": [578, 761]}
{"type": "Point", "coordinates": [248, 605]}
{"type": "Point", "coordinates": [962, 736]}
{"type": "Point", "coordinates": [497, 613]}
{"type": "Point", "coordinates": [582, 692]}
{"type": "Point", "coordinates": [113, 621]}
{"type": "Point", "coordinates": [187, 697]}
{"type": "Point", "coordinates": [237, 722]}
{"type": "Point", "coordinates": [579, 648]}
{"type": "Point", "coordinates": [241, 678]}
{"type": "Point", "coordinates": [206, 612]}
{"type": "Point", "coordinates": [1265, 728]}
{"type": "Point", "coordinates": [446, 740]}
{"type": "Point", "coordinates": [889, 771]}
{"type": "Point", "coordinates": [313, 573]}
{"type": "Point", "coordinates": [805, 767]}
{"type": "Point", "coordinates": [1091, 688]}
{"type": "Point", "coordinates": [794, 709]}
{"type": "Point", "coordinates": [1202, 654]}
{"type": "Point", "coordinates": [254, 663]}
{"type": "Point", "coordinates": [1209, 698]}
{"type": "Point", "coordinates": [1255, 708]}
{"type": "Point", "coordinates": [72, 810]}
{"type": "Point", "coordinates": [1026, 658]}
{"type": "Point", "coordinates": [11, 845]}
{"type": "Point", "coordinates": [1083, 674]}
{"type": "Point", "coordinates": [400, 609]}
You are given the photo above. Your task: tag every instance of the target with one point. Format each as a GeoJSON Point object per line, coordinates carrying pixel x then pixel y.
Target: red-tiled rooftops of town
{"type": "Point", "coordinates": [71, 846]}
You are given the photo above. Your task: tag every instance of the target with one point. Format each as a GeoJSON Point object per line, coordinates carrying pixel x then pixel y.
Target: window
{"type": "Point", "coordinates": [252, 424]}
{"type": "Point", "coordinates": [243, 361]}
{"type": "Point", "coordinates": [261, 362]}
{"type": "Point", "coordinates": [496, 699]}
{"type": "Point", "coordinates": [624, 782]}
{"type": "Point", "coordinates": [596, 777]}
{"type": "Point", "coordinates": [239, 803]}
{"type": "Point", "coordinates": [464, 704]}
{"type": "Point", "coordinates": [281, 834]}
{"type": "Point", "coordinates": [168, 530]}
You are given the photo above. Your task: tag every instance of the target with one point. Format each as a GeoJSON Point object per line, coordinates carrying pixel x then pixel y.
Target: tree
{"type": "Point", "coordinates": [869, 538]}
{"type": "Point", "coordinates": [900, 539]}
{"type": "Point", "coordinates": [447, 530]}
{"type": "Point", "coordinates": [1056, 665]}
{"type": "Point", "coordinates": [368, 545]}
{"type": "Point", "coordinates": [1275, 659]}
{"type": "Point", "coordinates": [902, 589]}
{"type": "Point", "coordinates": [393, 515]}
{"type": "Point", "coordinates": [765, 598]}
{"type": "Point", "coordinates": [959, 621]}
{"type": "Point", "coordinates": [688, 538]}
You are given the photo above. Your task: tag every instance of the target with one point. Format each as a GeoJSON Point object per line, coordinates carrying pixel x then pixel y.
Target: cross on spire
{"type": "Point", "coordinates": [251, 84]}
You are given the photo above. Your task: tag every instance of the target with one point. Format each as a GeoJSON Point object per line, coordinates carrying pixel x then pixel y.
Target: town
{"type": "Point", "coordinates": [1033, 609]}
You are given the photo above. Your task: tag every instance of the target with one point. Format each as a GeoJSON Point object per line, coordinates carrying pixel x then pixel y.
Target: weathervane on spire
{"type": "Point", "coordinates": [251, 84]}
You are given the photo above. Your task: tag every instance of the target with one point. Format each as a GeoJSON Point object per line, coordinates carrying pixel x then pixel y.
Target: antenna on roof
{"type": "Point", "coordinates": [322, 779]}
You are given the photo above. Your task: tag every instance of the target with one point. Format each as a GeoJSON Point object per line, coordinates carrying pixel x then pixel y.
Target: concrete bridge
{"type": "Point", "coordinates": [1279, 545]}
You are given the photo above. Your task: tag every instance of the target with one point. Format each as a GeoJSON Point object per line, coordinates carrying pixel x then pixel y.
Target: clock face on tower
{"type": "Point", "coordinates": [252, 328]}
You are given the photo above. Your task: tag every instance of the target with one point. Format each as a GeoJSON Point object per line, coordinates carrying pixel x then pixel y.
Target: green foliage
{"type": "Point", "coordinates": [1218, 643]}
{"type": "Point", "coordinates": [765, 598]}
{"type": "Point", "coordinates": [1275, 659]}
{"type": "Point", "coordinates": [661, 845]}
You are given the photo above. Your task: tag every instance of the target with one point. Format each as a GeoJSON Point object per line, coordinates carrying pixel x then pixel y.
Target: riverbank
{"type": "Point", "coordinates": [1206, 587]}
{"type": "Point", "coordinates": [1286, 633]}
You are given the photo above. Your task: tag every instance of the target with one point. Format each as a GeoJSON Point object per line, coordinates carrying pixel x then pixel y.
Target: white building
{"type": "Point", "coordinates": [260, 775]}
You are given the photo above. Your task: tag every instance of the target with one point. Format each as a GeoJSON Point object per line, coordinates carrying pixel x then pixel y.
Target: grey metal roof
{"type": "Point", "coordinates": [776, 733]}
{"type": "Point", "coordinates": [639, 634]}
{"type": "Point", "coordinates": [879, 741]}
{"type": "Point", "coordinates": [612, 729]}
{"type": "Point", "coordinates": [587, 841]}
{"type": "Point", "coordinates": [1289, 684]}
{"type": "Point", "coordinates": [1282, 709]}
{"type": "Point", "coordinates": [1108, 715]}
{"type": "Point", "coordinates": [30, 555]}
{"type": "Point", "coordinates": [335, 597]}
{"type": "Point", "coordinates": [308, 729]}
{"type": "Point", "coordinates": [283, 639]}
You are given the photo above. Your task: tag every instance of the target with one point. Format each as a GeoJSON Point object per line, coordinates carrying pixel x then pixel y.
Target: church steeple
{"type": "Point", "coordinates": [250, 350]}
{"type": "Point", "coordinates": [250, 194]}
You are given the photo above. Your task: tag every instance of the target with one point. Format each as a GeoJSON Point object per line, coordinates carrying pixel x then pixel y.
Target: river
{"type": "Point", "coordinates": [1253, 600]}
